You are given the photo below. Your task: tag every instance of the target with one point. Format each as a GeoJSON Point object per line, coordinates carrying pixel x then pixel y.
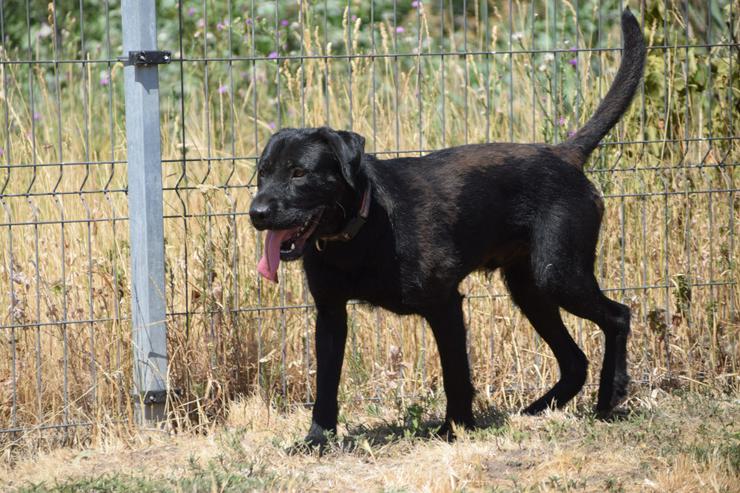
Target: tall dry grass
{"type": "Point", "coordinates": [668, 244]}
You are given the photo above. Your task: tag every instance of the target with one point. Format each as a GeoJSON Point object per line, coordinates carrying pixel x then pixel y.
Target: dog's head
{"type": "Point", "coordinates": [304, 176]}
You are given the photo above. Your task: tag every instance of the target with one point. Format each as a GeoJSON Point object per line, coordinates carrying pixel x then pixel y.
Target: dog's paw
{"type": "Point", "coordinates": [534, 409]}
{"type": "Point", "coordinates": [609, 415]}
{"type": "Point", "coordinates": [447, 431]}
{"type": "Point", "coordinates": [620, 392]}
{"type": "Point", "coordinates": [316, 439]}
{"type": "Point", "coordinates": [318, 436]}
{"type": "Point", "coordinates": [621, 389]}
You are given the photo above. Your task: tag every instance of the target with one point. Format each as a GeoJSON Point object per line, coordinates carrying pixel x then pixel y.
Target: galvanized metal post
{"type": "Point", "coordinates": [145, 213]}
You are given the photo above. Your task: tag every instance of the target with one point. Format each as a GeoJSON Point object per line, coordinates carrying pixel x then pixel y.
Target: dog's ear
{"type": "Point", "coordinates": [348, 148]}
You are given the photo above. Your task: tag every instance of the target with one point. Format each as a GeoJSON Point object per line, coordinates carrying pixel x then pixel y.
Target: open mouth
{"type": "Point", "coordinates": [292, 247]}
{"type": "Point", "coordinates": [285, 244]}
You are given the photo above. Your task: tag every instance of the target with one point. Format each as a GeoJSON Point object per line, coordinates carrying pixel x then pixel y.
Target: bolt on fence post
{"type": "Point", "coordinates": [145, 211]}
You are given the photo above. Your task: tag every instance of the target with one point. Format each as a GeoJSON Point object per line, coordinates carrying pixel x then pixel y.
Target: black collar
{"type": "Point", "coordinates": [354, 225]}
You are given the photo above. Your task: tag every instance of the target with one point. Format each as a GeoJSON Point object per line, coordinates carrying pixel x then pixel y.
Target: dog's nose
{"type": "Point", "coordinates": [260, 212]}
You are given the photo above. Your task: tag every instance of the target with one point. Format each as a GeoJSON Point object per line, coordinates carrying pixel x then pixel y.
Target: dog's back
{"type": "Point", "coordinates": [475, 206]}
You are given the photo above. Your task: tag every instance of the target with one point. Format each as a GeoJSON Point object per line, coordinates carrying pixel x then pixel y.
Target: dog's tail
{"type": "Point", "coordinates": [577, 148]}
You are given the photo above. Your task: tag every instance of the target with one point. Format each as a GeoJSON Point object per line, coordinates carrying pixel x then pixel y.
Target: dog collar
{"type": "Point", "coordinates": [354, 225]}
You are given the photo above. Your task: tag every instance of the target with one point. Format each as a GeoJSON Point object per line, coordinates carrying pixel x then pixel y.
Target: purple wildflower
{"type": "Point", "coordinates": [571, 133]}
{"type": "Point", "coordinates": [416, 4]}
{"type": "Point", "coordinates": [248, 20]}
{"type": "Point", "coordinates": [400, 29]}
{"type": "Point", "coordinates": [574, 49]}
{"type": "Point", "coordinates": [561, 121]}
{"type": "Point", "coordinates": [272, 125]}
{"type": "Point", "coordinates": [273, 55]}
{"type": "Point", "coordinates": [285, 22]}
{"type": "Point", "coordinates": [223, 89]}
{"type": "Point", "coordinates": [573, 61]}
{"type": "Point", "coordinates": [354, 17]}
{"type": "Point", "coordinates": [191, 11]}
{"type": "Point", "coordinates": [2, 152]}
{"type": "Point", "coordinates": [36, 116]}
{"type": "Point", "coordinates": [222, 25]}
{"type": "Point", "coordinates": [104, 80]}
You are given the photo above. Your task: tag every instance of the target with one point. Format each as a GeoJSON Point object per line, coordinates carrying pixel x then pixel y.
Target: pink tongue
{"type": "Point", "coordinates": [268, 265]}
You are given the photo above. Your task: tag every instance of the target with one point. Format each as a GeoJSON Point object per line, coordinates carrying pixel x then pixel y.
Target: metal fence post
{"type": "Point", "coordinates": [145, 213]}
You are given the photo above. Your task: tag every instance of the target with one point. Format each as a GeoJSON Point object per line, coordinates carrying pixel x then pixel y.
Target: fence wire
{"type": "Point", "coordinates": [412, 77]}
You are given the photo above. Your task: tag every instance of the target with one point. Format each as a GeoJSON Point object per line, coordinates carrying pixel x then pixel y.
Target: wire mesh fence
{"type": "Point", "coordinates": [411, 77]}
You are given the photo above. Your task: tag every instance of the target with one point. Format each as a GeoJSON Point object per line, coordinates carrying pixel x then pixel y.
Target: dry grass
{"type": "Point", "coordinates": [680, 442]}
{"type": "Point", "coordinates": [668, 245]}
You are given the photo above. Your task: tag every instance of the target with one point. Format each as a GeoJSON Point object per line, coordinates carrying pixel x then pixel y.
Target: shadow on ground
{"type": "Point", "coordinates": [410, 426]}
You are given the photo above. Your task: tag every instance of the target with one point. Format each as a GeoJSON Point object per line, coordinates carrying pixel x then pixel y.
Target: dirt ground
{"type": "Point", "coordinates": [665, 442]}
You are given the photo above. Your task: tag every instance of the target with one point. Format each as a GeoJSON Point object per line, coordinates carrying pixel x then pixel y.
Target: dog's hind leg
{"type": "Point", "coordinates": [544, 315]}
{"type": "Point", "coordinates": [562, 261]}
{"type": "Point", "coordinates": [448, 327]}
{"type": "Point", "coordinates": [614, 320]}
{"type": "Point", "coordinates": [572, 285]}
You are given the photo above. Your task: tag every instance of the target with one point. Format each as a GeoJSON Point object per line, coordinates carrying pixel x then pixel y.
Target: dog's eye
{"type": "Point", "coordinates": [298, 172]}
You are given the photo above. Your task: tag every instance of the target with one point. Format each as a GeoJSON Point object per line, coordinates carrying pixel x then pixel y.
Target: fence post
{"type": "Point", "coordinates": [145, 213]}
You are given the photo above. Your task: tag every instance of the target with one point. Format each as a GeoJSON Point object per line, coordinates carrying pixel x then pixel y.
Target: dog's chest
{"type": "Point", "coordinates": [375, 278]}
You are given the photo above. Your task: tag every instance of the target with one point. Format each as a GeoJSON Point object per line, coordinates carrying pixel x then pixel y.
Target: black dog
{"type": "Point", "coordinates": [402, 233]}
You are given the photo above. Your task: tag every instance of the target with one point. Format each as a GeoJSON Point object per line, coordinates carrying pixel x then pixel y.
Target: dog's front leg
{"type": "Point", "coordinates": [448, 326]}
{"type": "Point", "coordinates": [331, 335]}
